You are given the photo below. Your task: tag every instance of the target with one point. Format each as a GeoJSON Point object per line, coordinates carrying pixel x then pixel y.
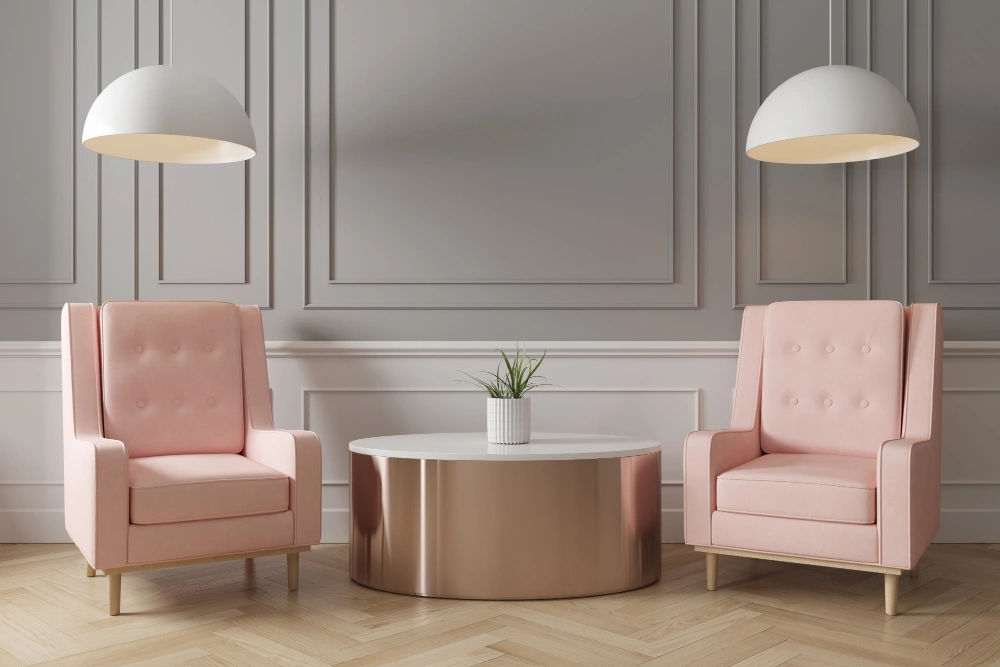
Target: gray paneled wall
{"type": "Point", "coordinates": [490, 169]}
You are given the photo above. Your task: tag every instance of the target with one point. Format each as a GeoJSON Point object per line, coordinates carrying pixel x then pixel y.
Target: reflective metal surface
{"type": "Point", "coordinates": [505, 529]}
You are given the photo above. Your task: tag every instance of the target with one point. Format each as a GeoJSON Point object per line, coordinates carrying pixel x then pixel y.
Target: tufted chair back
{"type": "Point", "coordinates": [172, 377]}
{"type": "Point", "coordinates": [832, 378]}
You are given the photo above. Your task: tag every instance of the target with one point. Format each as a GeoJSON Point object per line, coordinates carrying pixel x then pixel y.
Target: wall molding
{"type": "Point", "coordinates": [154, 45]}
{"type": "Point", "coordinates": [278, 349]}
{"type": "Point", "coordinates": [931, 275]}
{"type": "Point", "coordinates": [738, 301]}
{"type": "Point", "coordinates": [761, 166]}
{"type": "Point", "coordinates": [85, 67]}
{"type": "Point", "coordinates": [663, 389]}
{"type": "Point", "coordinates": [508, 291]}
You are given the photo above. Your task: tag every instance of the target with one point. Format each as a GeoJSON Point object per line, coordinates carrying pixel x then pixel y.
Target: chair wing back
{"type": "Point", "coordinates": [172, 377]}
{"type": "Point", "coordinates": [832, 380]}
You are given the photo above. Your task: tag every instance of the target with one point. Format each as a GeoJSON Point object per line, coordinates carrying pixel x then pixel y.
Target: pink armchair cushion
{"type": "Point", "coordinates": [854, 542]}
{"type": "Point", "coordinates": [191, 487]}
{"type": "Point", "coordinates": [156, 543]}
{"type": "Point", "coordinates": [832, 377]}
{"type": "Point", "coordinates": [804, 486]}
{"type": "Point", "coordinates": [172, 377]}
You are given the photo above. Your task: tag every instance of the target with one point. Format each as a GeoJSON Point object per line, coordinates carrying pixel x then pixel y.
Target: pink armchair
{"type": "Point", "coordinates": [171, 457]}
{"type": "Point", "coordinates": [833, 456]}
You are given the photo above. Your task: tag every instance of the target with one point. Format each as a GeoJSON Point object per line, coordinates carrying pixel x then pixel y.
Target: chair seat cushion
{"type": "Point", "coordinates": [191, 487]}
{"type": "Point", "coordinates": [804, 486]}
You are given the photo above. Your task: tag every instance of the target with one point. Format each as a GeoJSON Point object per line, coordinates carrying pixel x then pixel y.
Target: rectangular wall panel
{"type": "Point", "coordinates": [203, 231]}
{"type": "Point", "coordinates": [550, 185]}
{"type": "Point", "coordinates": [796, 234]}
{"type": "Point", "coordinates": [953, 244]}
{"type": "Point", "coordinates": [964, 198]}
{"type": "Point", "coordinates": [557, 171]}
{"type": "Point", "coordinates": [802, 211]}
{"type": "Point", "coordinates": [36, 239]}
{"type": "Point", "coordinates": [48, 183]}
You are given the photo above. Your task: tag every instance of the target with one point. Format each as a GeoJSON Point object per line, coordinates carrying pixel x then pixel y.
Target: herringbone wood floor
{"type": "Point", "coordinates": [238, 614]}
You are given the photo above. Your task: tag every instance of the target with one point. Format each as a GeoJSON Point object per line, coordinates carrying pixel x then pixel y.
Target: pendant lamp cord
{"type": "Point", "coordinates": [830, 40]}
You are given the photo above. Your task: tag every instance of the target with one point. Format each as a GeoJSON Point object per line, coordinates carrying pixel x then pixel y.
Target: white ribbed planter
{"type": "Point", "coordinates": [508, 420]}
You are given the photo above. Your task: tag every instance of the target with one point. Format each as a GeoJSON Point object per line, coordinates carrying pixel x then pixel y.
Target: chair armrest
{"type": "Point", "coordinates": [708, 454]}
{"type": "Point", "coordinates": [297, 454]}
{"type": "Point", "coordinates": [909, 498]}
{"type": "Point", "coordinates": [95, 472]}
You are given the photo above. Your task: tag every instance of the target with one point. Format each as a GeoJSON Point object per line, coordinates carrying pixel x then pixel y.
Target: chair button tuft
{"type": "Point", "coordinates": [174, 348]}
{"type": "Point", "coordinates": [795, 348]}
{"type": "Point", "coordinates": [827, 402]}
{"type": "Point", "coordinates": [176, 402]}
{"type": "Point", "coordinates": [863, 404]}
{"type": "Point", "coordinates": [866, 349]}
{"type": "Point", "coordinates": [140, 404]}
{"type": "Point", "coordinates": [793, 401]}
{"type": "Point", "coordinates": [829, 348]}
{"type": "Point", "coordinates": [137, 348]}
{"type": "Point", "coordinates": [208, 348]}
{"type": "Point", "coordinates": [210, 400]}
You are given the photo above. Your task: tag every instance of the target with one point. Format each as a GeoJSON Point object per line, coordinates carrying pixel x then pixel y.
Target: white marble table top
{"type": "Point", "coordinates": [474, 447]}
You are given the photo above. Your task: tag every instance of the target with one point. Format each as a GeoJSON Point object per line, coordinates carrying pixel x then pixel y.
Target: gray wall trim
{"type": "Point", "coordinates": [931, 217]}
{"type": "Point", "coordinates": [517, 284]}
{"type": "Point", "coordinates": [760, 166]}
{"type": "Point", "coordinates": [900, 229]}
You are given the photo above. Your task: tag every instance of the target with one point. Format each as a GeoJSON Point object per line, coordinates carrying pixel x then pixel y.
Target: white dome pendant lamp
{"type": "Point", "coordinates": [830, 114]}
{"type": "Point", "coordinates": [169, 114]}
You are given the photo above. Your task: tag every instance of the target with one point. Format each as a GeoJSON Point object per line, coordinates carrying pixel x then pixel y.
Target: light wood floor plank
{"type": "Point", "coordinates": [239, 614]}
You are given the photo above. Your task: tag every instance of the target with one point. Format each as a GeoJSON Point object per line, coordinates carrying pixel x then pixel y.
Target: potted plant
{"type": "Point", "coordinates": [508, 410]}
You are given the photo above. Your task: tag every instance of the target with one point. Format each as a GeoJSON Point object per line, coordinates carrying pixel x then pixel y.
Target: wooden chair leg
{"type": "Point", "coordinates": [891, 593]}
{"type": "Point", "coordinates": [90, 571]}
{"type": "Point", "coordinates": [712, 571]}
{"type": "Point", "coordinates": [114, 593]}
{"type": "Point", "coordinates": [293, 571]}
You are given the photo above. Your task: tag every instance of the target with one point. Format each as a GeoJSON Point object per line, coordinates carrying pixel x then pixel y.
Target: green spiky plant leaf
{"type": "Point", "coordinates": [519, 377]}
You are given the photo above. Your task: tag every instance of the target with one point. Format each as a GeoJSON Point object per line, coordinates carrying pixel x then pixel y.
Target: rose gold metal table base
{"type": "Point", "coordinates": [505, 530]}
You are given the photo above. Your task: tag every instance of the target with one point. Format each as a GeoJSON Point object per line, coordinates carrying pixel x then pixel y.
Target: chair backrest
{"type": "Point", "coordinates": [172, 377]}
{"type": "Point", "coordinates": [832, 377]}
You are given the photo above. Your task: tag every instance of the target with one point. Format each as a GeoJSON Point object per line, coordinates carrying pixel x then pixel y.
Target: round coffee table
{"type": "Point", "coordinates": [450, 515]}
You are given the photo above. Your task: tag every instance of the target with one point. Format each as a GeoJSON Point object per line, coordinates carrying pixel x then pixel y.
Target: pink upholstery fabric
{"type": "Point", "coordinates": [804, 486]}
{"type": "Point", "coordinates": [172, 377]}
{"type": "Point", "coordinates": [737, 498]}
{"type": "Point", "coordinates": [175, 450]}
{"type": "Point", "coordinates": [853, 542]}
{"type": "Point", "coordinates": [707, 454]}
{"type": "Point", "coordinates": [190, 487]}
{"type": "Point", "coordinates": [297, 454]}
{"type": "Point", "coordinates": [833, 377]}
{"type": "Point", "coordinates": [95, 469]}
{"type": "Point", "coordinates": [157, 543]}
{"type": "Point", "coordinates": [909, 469]}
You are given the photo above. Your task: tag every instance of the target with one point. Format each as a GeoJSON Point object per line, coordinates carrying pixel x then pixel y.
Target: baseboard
{"type": "Point", "coordinates": [36, 526]}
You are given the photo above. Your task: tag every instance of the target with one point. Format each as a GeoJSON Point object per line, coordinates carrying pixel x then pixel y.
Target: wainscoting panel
{"type": "Point", "coordinates": [49, 229]}
{"type": "Point", "coordinates": [204, 231]}
{"type": "Point", "coordinates": [794, 228]}
{"type": "Point", "coordinates": [951, 250]}
{"type": "Point", "coordinates": [346, 390]}
{"type": "Point", "coordinates": [541, 195]}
